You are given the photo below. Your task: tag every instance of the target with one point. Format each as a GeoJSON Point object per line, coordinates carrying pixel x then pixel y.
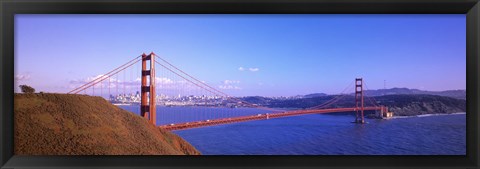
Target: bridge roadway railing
{"type": "Point", "coordinates": [196, 124]}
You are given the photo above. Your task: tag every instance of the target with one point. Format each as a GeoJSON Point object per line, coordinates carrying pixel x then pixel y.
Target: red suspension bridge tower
{"type": "Point", "coordinates": [148, 105]}
{"type": "Point", "coordinates": [359, 101]}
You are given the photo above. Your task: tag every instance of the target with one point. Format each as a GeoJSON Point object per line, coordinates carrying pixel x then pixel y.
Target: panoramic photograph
{"type": "Point", "coordinates": [276, 84]}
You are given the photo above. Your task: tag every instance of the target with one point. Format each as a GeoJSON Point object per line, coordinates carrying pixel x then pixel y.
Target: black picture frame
{"type": "Point", "coordinates": [9, 8]}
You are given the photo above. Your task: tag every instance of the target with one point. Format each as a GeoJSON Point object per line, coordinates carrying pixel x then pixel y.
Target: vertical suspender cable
{"type": "Point", "coordinates": [101, 88]}
{"type": "Point", "coordinates": [109, 94]}
{"type": "Point", "coordinates": [116, 85]}
{"type": "Point", "coordinates": [124, 94]}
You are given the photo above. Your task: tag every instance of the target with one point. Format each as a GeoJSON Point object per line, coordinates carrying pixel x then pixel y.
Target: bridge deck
{"type": "Point", "coordinates": [189, 125]}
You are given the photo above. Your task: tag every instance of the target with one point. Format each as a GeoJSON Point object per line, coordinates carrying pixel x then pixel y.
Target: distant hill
{"type": "Point", "coordinates": [67, 124]}
{"type": "Point", "coordinates": [406, 105]}
{"type": "Point", "coordinates": [314, 95]}
{"type": "Point", "coordinates": [458, 94]}
{"type": "Point", "coordinates": [400, 104]}
{"type": "Point", "coordinates": [257, 100]}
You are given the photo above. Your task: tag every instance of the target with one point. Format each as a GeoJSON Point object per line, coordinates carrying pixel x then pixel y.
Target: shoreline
{"type": "Point", "coordinates": [428, 115]}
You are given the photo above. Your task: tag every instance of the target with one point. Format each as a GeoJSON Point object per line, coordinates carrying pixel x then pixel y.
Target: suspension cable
{"type": "Point", "coordinates": [81, 87]}
{"type": "Point", "coordinates": [111, 73]}
{"type": "Point", "coordinates": [334, 99]}
{"type": "Point", "coordinates": [374, 103]}
{"type": "Point", "coordinates": [216, 93]}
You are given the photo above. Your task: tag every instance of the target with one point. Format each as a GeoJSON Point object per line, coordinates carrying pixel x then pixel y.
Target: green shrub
{"type": "Point", "coordinates": [27, 89]}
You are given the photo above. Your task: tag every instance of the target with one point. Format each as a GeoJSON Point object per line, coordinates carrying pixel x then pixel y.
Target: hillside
{"type": "Point", "coordinates": [66, 124]}
{"type": "Point", "coordinates": [458, 94]}
{"type": "Point", "coordinates": [406, 105]}
{"type": "Point", "coordinates": [401, 105]}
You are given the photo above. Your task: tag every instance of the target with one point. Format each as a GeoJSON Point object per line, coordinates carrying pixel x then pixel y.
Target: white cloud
{"type": "Point", "coordinates": [102, 81]}
{"type": "Point", "coordinates": [20, 77]}
{"type": "Point", "coordinates": [226, 82]}
{"type": "Point", "coordinates": [229, 87]}
{"type": "Point", "coordinates": [253, 69]}
{"type": "Point", "coordinates": [163, 80]}
{"type": "Point", "coordinates": [92, 78]}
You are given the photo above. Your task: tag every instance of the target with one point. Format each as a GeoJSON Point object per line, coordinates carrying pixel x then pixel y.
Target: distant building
{"type": "Point", "coordinates": [384, 114]}
{"type": "Point", "coordinates": [388, 114]}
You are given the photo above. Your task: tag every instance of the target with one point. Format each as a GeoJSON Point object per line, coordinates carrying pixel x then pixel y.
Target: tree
{"type": "Point", "coordinates": [27, 89]}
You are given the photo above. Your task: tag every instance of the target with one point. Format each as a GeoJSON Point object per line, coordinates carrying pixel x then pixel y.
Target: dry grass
{"type": "Point", "coordinates": [67, 124]}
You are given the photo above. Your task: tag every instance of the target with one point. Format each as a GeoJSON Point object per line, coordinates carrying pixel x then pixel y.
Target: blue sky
{"type": "Point", "coordinates": [268, 55]}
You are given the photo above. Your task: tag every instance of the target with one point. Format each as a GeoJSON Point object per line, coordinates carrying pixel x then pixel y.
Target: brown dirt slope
{"type": "Point", "coordinates": [67, 124]}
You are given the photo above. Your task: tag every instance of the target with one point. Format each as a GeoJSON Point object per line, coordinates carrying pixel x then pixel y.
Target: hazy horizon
{"type": "Point", "coordinates": [248, 55]}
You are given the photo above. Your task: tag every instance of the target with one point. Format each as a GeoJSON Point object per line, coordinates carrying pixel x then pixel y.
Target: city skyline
{"type": "Point", "coordinates": [244, 55]}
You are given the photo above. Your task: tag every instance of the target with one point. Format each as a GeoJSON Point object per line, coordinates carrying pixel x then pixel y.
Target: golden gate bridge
{"type": "Point", "coordinates": [139, 75]}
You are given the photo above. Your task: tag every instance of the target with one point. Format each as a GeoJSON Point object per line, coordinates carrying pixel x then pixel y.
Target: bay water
{"type": "Point", "coordinates": [318, 134]}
